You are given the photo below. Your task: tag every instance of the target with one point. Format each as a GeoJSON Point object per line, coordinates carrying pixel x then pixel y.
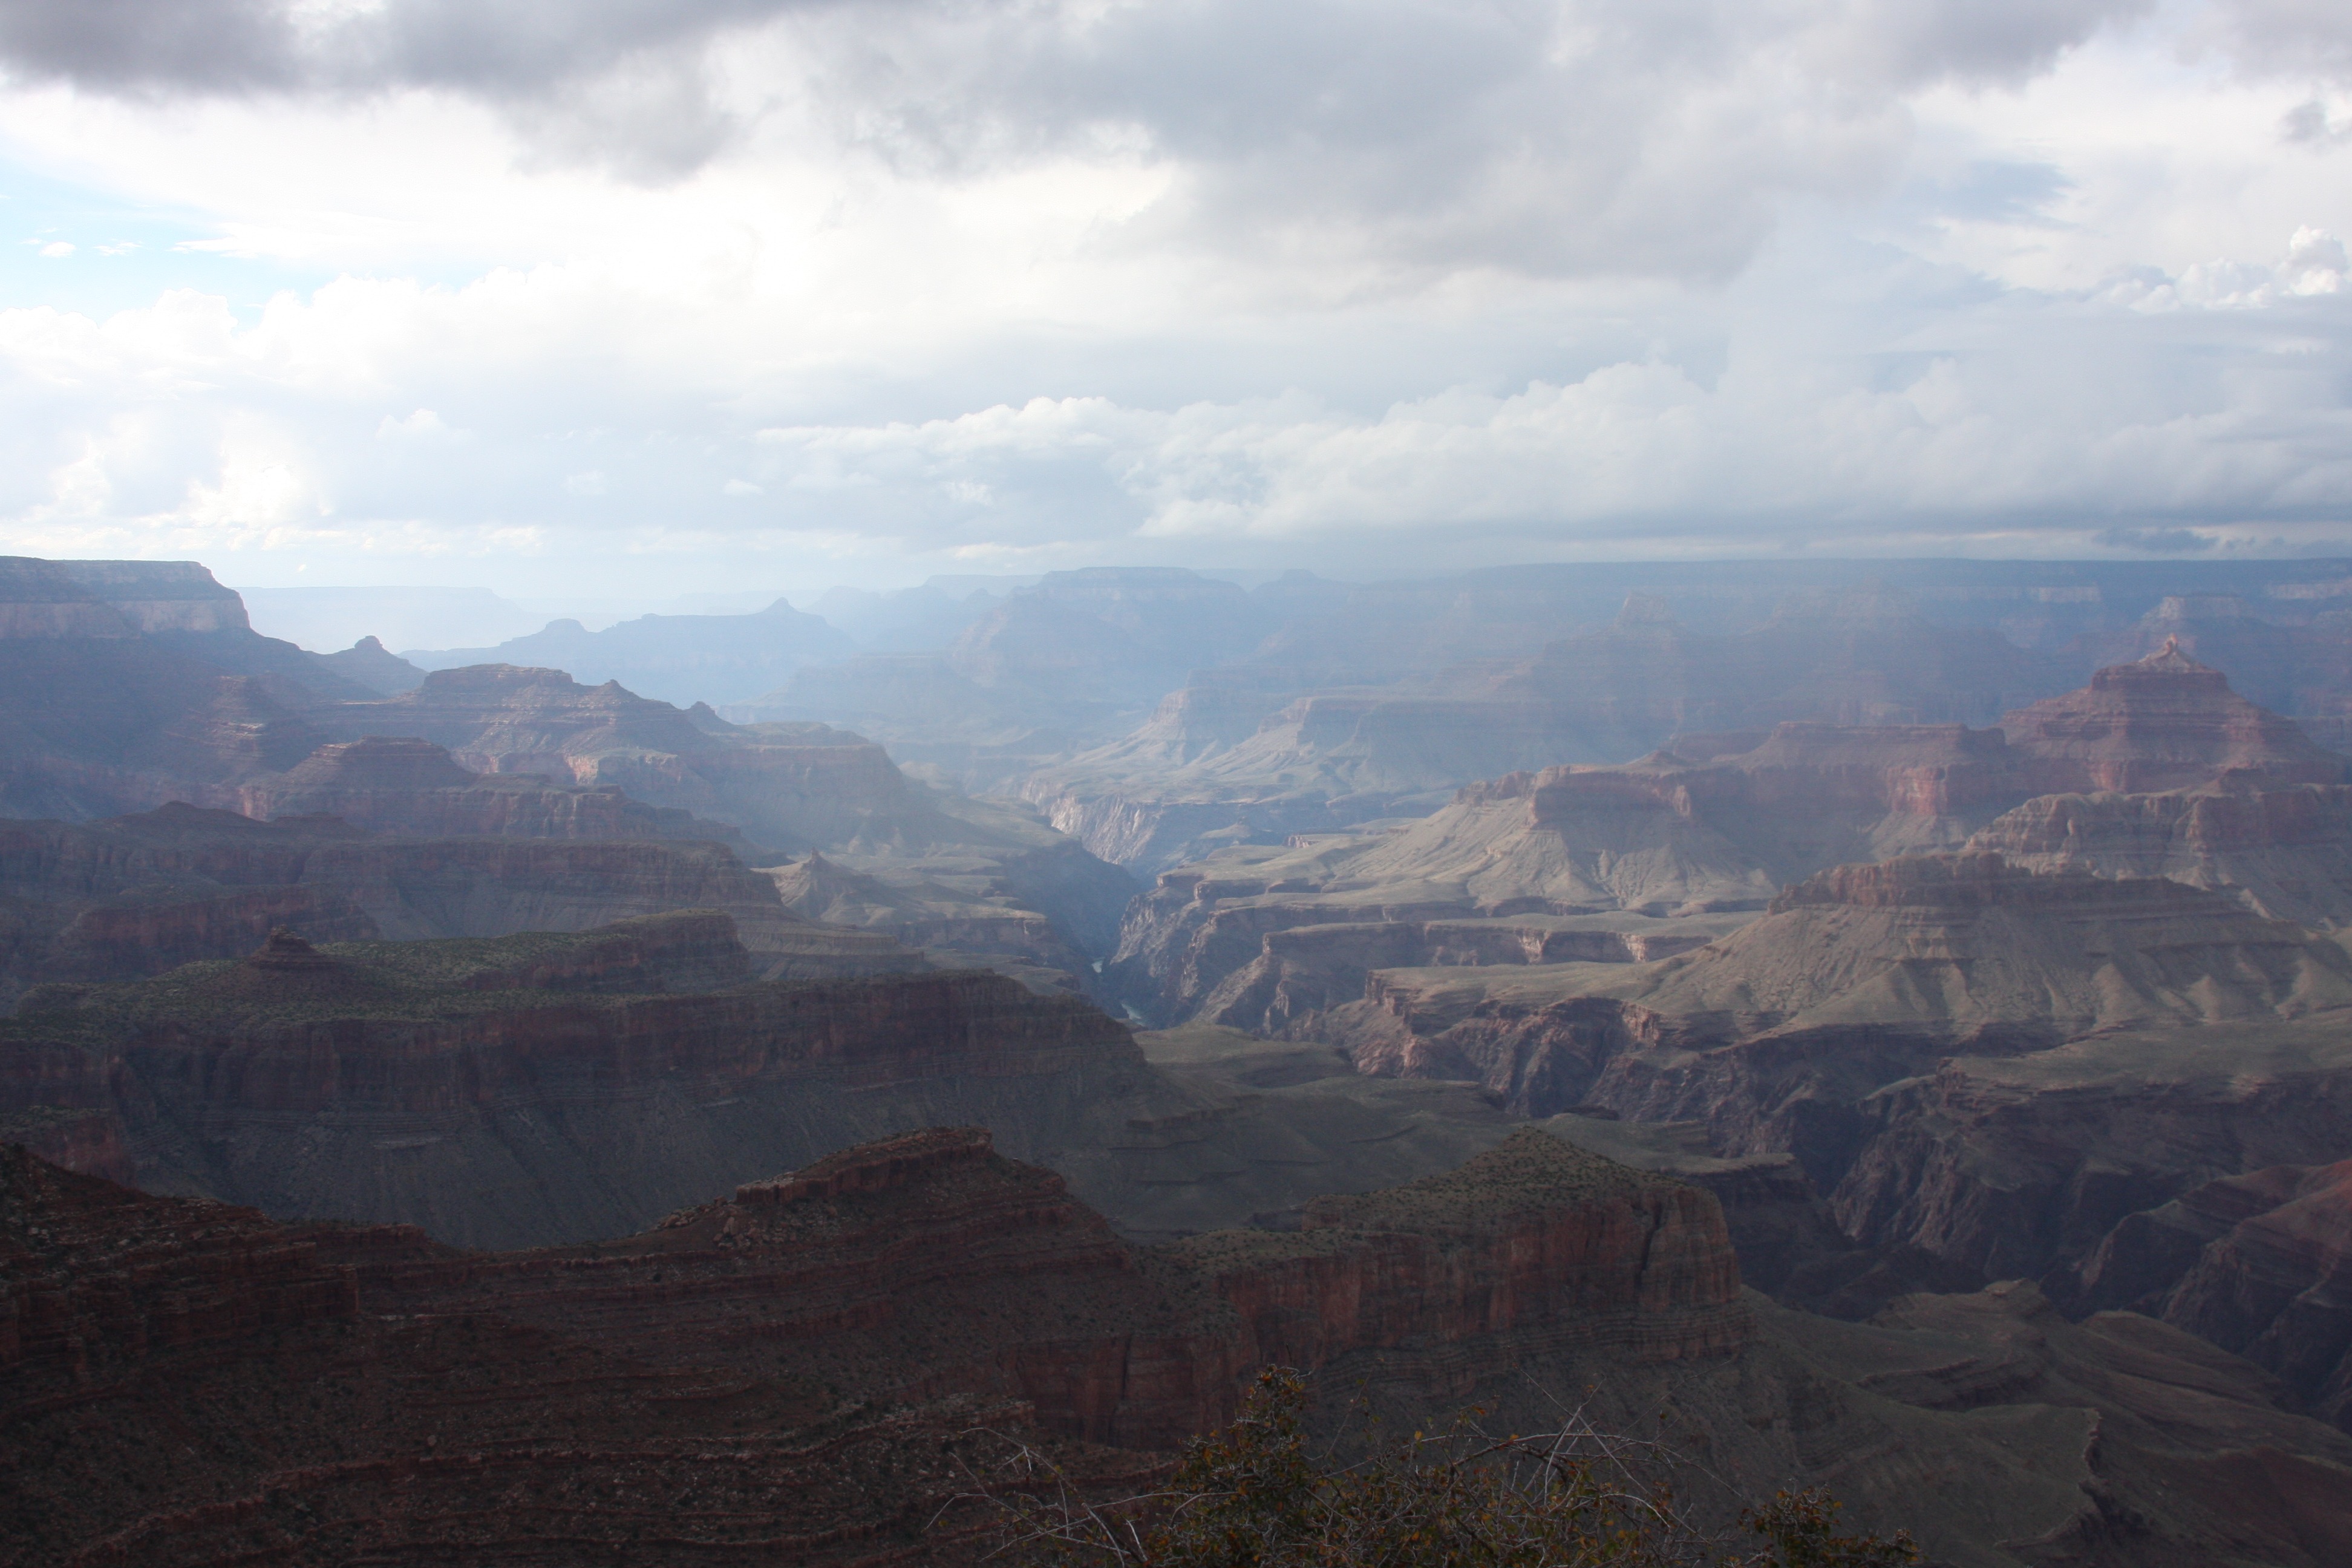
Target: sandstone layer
{"type": "Point", "coordinates": [1854, 979]}
{"type": "Point", "coordinates": [136, 895]}
{"type": "Point", "coordinates": [813, 1368]}
{"type": "Point", "coordinates": [1719, 825]}
{"type": "Point", "coordinates": [2259, 1264]}
{"type": "Point", "coordinates": [394, 1081]}
{"type": "Point", "coordinates": [722, 1367]}
{"type": "Point", "coordinates": [2165, 721]}
{"type": "Point", "coordinates": [2022, 1165]}
{"type": "Point", "coordinates": [2284, 850]}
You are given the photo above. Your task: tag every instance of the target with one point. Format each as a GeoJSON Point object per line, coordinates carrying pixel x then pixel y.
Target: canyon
{"type": "Point", "coordinates": [1792, 1001]}
{"type": "Point", "coordinates": [487, 1089]}
{"type": "Point", "coordinates": [1625, 857]}
{"type": "Point", "coordinates": [822, 1364]}
{"type": "Point", "coordinates": [134, 896]}
{"type": "Point", "coordinates": [162, 695]}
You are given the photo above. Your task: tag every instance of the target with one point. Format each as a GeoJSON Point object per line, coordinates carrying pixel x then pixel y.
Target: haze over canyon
{"type": "Point", "coordinates": [1895, 1018]}
{"type": "Point", "coordinates": [1177, 784]}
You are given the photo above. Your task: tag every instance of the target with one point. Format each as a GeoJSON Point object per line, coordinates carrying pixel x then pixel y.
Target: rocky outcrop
{"type": "Point", "coordinates": [545, 1087]}
{"type": "Point", "coordinates": [1667, 837]}
{"type": "Point", "coordinates": [1855, 979]}
{"type": "Point", "coordinates": [957, 926]}
{"type": "Point", "coordinates": [96, 1279]}
{"type": "Point", "coordinates": [1535, 1232]}
{"type": "Point", "coordinates": [138, 894]}
{"type": "Point", "coordinates": [2020, 1166]}
{"type": "Point", "coordinates": [790, 787]}
{"type": "Point", "coordinates": [370, 663]}
{"type": "Point", "coordinates": [404, 785]}
{"type": "Point", "coordinates": [2163, 722]}
{"type": "Point", "coordinates": [720, 1368]}
{"type": "Point", "coordinates": [2284, 850]}
{"type": "Point", "coordinates": [1860, 658]}
{"type": "Point", "coordinates": [2259, 1264]}
{"type": "Point", "coordinates": [1724, 823]}
{"type": "Point", "coordinates": [716, 1387]}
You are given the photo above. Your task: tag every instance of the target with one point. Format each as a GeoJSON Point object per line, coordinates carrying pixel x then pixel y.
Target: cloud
{"type": "Point", "coordinates": [1351, 285]}
{"type": "Point", "coordinates": [621, 82]}
{"type": "Point", "coordinates": [2300, 38]}
{"type": "Point", "coordinates": [1541, 133]}
{"type": "Point", "coordinates": [2155, 541]}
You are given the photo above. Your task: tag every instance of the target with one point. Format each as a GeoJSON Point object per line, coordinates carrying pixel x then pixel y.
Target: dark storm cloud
{"type": "Point", "coordinates": [1595, 136]}
{"type": "Point", "coordinates": [2303, 38]}
{"type": "Point", "coordinates": [1420, 86]}
{"type": "Point", "coordinates": [240, 46]}
{"type": "Point", "coordinates": [620, 82]}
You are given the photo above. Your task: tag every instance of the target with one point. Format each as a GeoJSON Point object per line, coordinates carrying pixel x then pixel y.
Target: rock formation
{"type": "Point", "coordinates": [482, 1089]}
{"type": "Point", "coordinates": [959, 915]}
{"type": "Point", "coordinates": [1860, 658]}
{"type": "Point", "coordinates": [2284, 850]}
{"type": "Point", "coordinates": [1856, 978]}
{"type": "Point", "coordinates": [125, 688]}
{"type": "Point", "coordinates": [816, 1365]}
{"type": "Point", "coordinates": [918, 1270]}
{"type": "Point", "coordinates": [2020, 1165]}
{"type": "Point", "coordinates": [137, 894]}
{"type": "Point", "coordinates": [369, 663]}
{"type": "Point", "coordinates": [2163, 722]}
{"type": "Point", "coordinates": [1721, 822]}
{"type": "Point", "coordinates": [2257, 1264]}
{"type": "Point", "coordinates": [684, 659]}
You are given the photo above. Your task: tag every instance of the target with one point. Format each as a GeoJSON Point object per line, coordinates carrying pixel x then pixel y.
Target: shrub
{"type": "Point", "coordinates": [1254, 1495]}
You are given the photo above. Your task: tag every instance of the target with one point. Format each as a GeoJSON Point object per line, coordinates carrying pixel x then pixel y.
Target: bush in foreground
{"type": "Point", "coordinates": [1252, 1495]}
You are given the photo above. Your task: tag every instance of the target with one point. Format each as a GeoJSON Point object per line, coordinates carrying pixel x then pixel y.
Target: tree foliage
{"type": "Point", "coordinates": [1255, 1495]}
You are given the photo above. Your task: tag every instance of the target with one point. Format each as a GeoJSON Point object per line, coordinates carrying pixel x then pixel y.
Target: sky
{"type": "Point", "coordinates": [625, 300]}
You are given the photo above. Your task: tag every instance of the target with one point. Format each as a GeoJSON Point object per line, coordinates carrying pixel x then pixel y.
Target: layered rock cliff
{"type": "Point", "coordinates": [2022, 1165]}
{"type": "Point", "coordinates": [718, 1365]}
{"type": "Point", "coordinates": [2284, 850]}
{"type": "Point", "coordinates": [817, 1367]}
{"type": "Point", "coordinates": [1229, 752]}
{"type": "Point", "coordinates": [2163, 722]}
{"type": "Point", "coordinates": [394, 1081]}
{"type": "Point", "coordinates": [96, 1279]}
{"type": "Point", "coordinates": [134, 895]}
{"type": "Point", "coordinates": [2259, 1264]}
{"type": "Point", "coordinates": [1722, 822]}
{"type": "Point", "coordinates": [789, 787]}
{"type": "Point", "coordinates": [1856, 978]}
{"type": "Point", "coordinates": [1533, 1233]}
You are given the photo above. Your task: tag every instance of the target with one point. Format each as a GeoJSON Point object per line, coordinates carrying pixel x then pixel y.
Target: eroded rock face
{"type": "Point", "coordinates": [2284, 850]}
{"type": "Point", "coordinates": [2259, 1264]}
{"type": "Point", "coordinates": [2163, 722]}
{"type": "Point", "coordinates": [1534, 1232]}
{"type": "Point", "coordinates": [1856, 978]}
{"type": "Point", "coordinates": [1327, 757]}
{"type": "Point", "coordinates": [96, 1279]}
{"type": "Point", "coordinates": [789, 787]}
{"type": "Point", "coordinates": [2020, 1167]}
{"type": "Point", "coordinates": [138, 894]}
{"type": "Point", "coordinates": [711, 1386]}
{"type": "Point", "coordinates": [543, 1086]}
{"type": "Point", "coordinates": [736, 1342]}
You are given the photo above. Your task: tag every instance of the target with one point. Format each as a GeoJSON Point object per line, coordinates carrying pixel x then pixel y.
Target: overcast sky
{"type": "Point", "coordinates": [620, 298]}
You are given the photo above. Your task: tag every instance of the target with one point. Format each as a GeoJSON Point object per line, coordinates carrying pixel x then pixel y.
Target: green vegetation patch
{"type": "Point", "coordinates": [1529, 1170]}
{"type": "Point", "coordinates": [407, 980]}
